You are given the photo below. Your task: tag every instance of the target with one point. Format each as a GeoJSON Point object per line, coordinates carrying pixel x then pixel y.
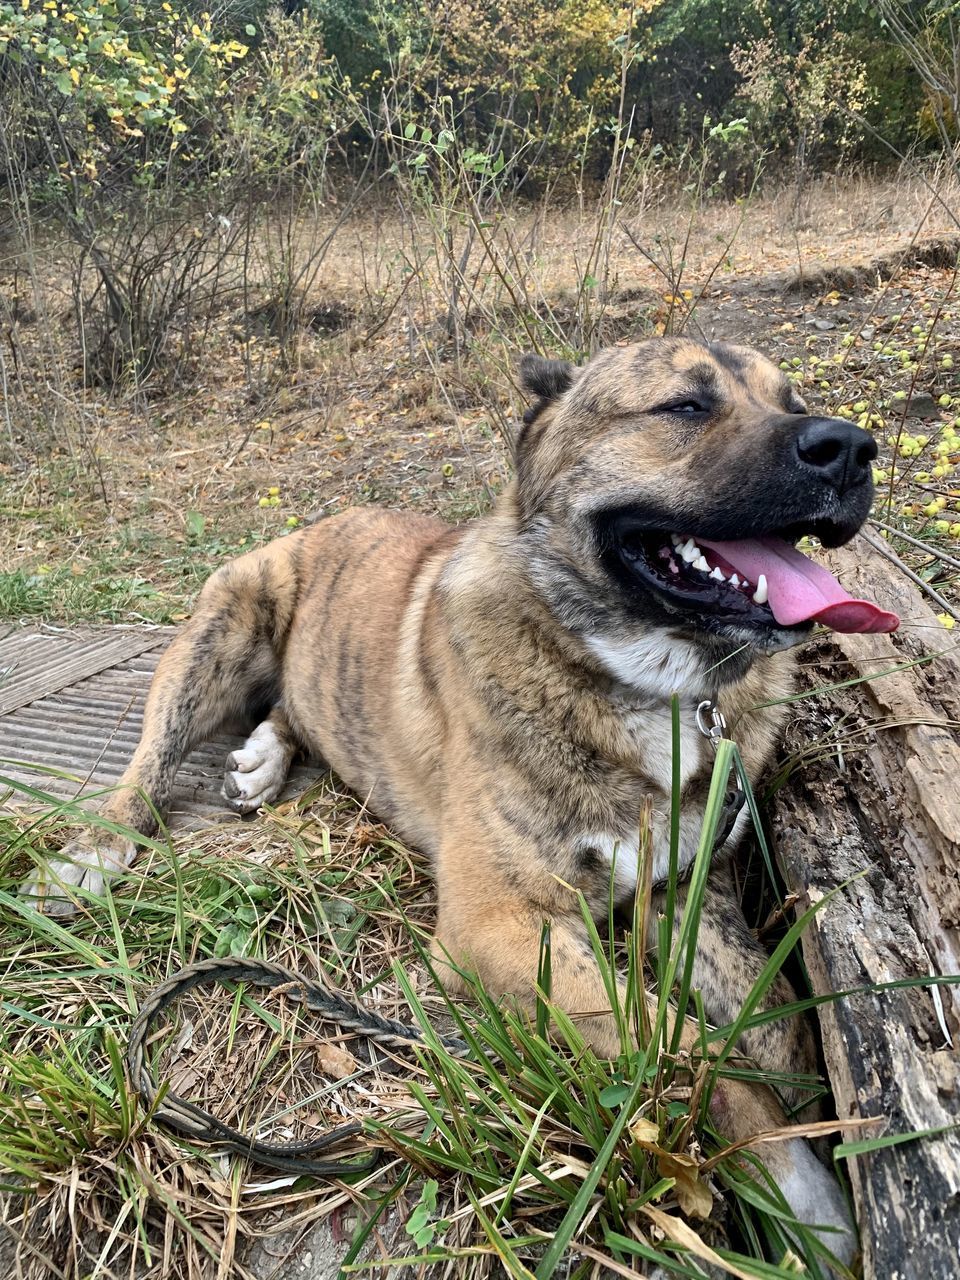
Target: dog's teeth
{"type": "Point", "coordinates": [734, 580]}
{"type": "Point", "coordinates": [675, 539]}
{"type": "Point", "coordinates": [689, 551]}
{"type": "Point", "coordinates": [702, 565]}
{"type": "Point", "coordinates": [760, 595]}
{"type": "Point", "coordinates": [718, 575]}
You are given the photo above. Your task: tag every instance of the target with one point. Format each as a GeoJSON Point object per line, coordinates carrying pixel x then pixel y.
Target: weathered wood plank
{"type": "Point", "coordinates": [87, 727]}
{"type": "Point", "coordinates": [35, 663]}
{"type": "Point", "coordinates": [875, 801]}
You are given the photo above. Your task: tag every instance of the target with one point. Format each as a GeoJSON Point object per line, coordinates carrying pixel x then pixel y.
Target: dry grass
{"type": "Point", "coordinates": [316, 885]}
{"type": "Point", "coordinates": [530, 1145]}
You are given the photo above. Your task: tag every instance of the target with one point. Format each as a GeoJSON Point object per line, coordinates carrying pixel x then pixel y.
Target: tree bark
{"type": "Point", "coordinates": [873, 805]}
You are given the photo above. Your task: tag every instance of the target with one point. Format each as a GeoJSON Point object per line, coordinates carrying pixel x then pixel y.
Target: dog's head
{"type": "Point", "coordinates": [669, 481]}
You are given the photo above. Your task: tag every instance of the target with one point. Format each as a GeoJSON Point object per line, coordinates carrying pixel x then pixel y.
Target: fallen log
{"type": "Point", "coordinates": [873, 805]}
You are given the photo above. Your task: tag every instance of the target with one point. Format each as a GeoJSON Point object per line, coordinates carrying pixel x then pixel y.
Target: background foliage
{"type": "Point", "coordinates": [169, 92]}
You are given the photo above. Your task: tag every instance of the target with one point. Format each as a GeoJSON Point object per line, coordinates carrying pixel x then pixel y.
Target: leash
{"type": "Point", "coordinates": [713, 729]}
{"type": "Point", "coordinates": [194, 1122]}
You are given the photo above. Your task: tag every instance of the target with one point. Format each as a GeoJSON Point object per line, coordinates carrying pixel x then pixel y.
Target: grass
{"type": "Point", "coordinates": [113, 495]}
{"type": "Point", "coordinates": [324, 902]}
{"type": "Point", "coordinates": [136, 577]}
{"type": "Point", "coordinates": [530, 1154]}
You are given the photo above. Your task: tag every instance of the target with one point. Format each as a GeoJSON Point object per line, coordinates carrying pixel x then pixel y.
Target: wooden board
{"type": "Point", "coordinates": [38, 661]}
{"type": "Point", "coordinates": [874, 806]}
{"type": "Point", "coordinates": [75, 737]}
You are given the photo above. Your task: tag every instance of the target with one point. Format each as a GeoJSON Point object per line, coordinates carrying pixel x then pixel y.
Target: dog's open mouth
{"type": "Point", "coordinates": [756, 582]}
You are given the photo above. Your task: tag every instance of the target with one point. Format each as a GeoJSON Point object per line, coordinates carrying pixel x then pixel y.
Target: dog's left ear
{"type": "Point", "coordinates": [545, 379]}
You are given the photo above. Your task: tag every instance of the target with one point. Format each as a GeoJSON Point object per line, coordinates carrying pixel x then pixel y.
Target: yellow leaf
{"type": "Point", "coordinates": [645, 1133]}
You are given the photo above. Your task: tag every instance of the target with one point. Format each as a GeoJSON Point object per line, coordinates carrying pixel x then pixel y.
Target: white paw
{"type": "Point", "coordinates": [817, 1199]}
{"type": "Point", "coordinates": [51, 885]}
{"type": "Point", "coordinates": [256, 773]}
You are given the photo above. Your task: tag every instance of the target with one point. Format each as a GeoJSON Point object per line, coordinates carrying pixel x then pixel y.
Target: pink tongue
{"type": "Point", "coordinates": [799, 590]}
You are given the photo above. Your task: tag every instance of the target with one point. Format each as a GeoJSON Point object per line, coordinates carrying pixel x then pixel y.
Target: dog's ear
{"type": "Point", "coordinates": [545, 379]}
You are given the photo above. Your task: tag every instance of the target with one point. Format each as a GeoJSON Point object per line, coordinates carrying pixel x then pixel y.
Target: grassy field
{"type": "Point", "coordinates": [115, 507]}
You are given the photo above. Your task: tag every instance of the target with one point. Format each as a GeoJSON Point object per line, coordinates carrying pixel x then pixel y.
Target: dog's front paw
{"type": "Point", "coordinates": [256, 773]}
{"type": "Point", "coordinates": [817, 1199]}
{"type": "Point", "coordinates": [52, 885]}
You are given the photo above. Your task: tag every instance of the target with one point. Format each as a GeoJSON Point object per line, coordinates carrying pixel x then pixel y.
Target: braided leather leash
{"type": "Point", "coordinates": [192, 1120]}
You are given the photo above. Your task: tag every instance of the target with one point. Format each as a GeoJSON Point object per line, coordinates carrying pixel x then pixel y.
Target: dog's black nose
{"type": "Point", "coordinates": [839, 452]}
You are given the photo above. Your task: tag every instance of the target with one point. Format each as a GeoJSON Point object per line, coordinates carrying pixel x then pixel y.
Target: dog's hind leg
{"type": "Point", "coordinates": [224, 664]}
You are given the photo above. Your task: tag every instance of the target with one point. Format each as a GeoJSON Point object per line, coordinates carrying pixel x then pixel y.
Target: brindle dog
{"type": "Point", "coordinates": [501, 692]}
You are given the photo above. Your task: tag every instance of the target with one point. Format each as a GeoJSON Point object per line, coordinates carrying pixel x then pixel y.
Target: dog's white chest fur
{"type": "Point", "coordinates": [652, 730]}
{"type": "Point", "coordinates": [655, 665]}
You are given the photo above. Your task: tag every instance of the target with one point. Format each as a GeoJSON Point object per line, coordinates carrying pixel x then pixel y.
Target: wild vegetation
{"type": "Point", "coordinates": [264, 261]}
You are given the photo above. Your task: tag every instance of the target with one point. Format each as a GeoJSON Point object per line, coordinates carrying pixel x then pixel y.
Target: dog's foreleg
{"type": "Point", "coordinates": [500, 941]}
{"type": "Point", "coordinates": [223, 664]}
{"type": "Point", "coordinates": [728, 960]}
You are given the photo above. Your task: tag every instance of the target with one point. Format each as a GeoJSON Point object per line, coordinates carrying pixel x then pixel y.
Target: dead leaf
{"type": "Point", "coordinates": [677, 1230]}
{"type": "Point", "coordinates": [693, 1195]}
{"type": "Point", "coordinates": [184, 1080]}
{"type": "Point", "coordinates": [335, 1061]}
{"type": "Point", "coordinates": [645, 1134]}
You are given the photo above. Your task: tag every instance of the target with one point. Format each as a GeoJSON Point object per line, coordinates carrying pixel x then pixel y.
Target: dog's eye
{"type": "Point", "coordinates": [685, 408]}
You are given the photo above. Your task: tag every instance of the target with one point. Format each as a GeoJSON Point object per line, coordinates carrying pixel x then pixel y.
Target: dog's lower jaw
{"type": "Point", "coordinates": [733, 641]}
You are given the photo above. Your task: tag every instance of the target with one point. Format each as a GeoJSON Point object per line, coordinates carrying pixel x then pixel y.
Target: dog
{"type": "Point", "coordinates": [501, 691]}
